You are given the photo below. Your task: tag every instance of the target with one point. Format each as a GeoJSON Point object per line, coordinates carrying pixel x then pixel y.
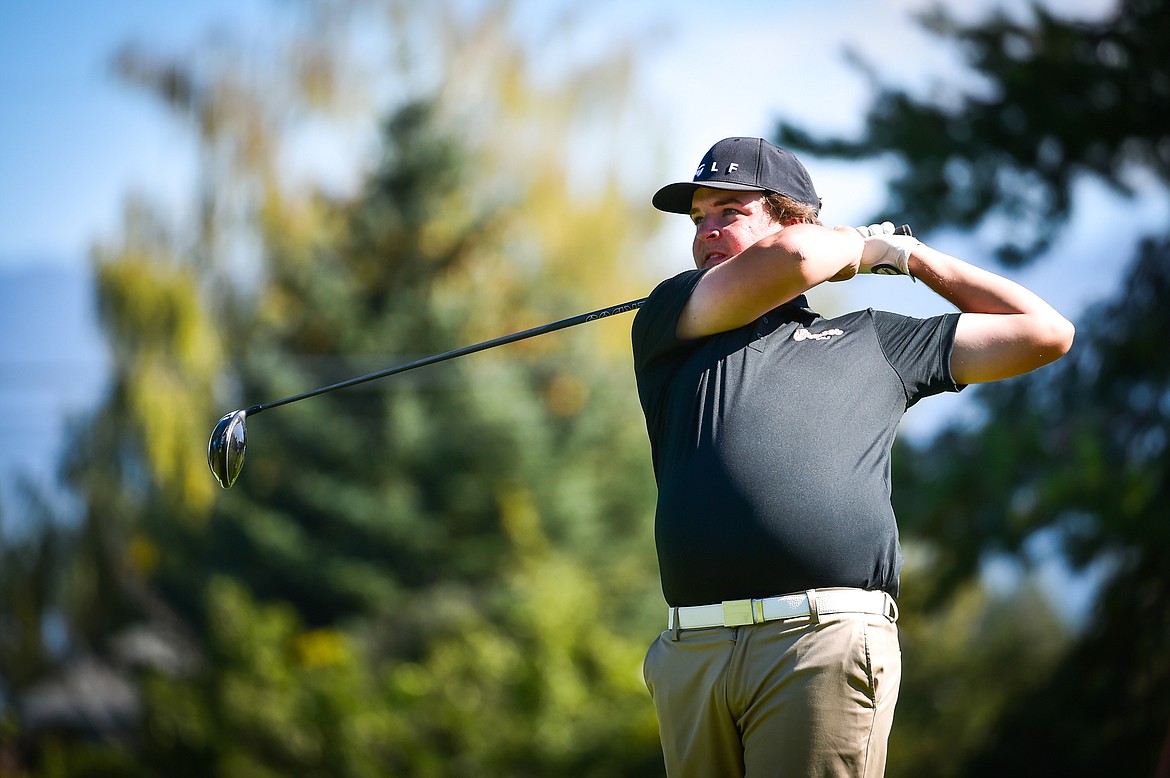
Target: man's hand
{"type": "Point", "coordinates": [885, 253]}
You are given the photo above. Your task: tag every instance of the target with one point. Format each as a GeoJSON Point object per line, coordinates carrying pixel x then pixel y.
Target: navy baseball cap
{"type": "Point", "coordinates": [746, 165]}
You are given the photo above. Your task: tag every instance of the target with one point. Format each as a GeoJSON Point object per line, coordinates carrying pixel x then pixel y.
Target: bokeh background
{"type": "Point", "coordinates": [451, 572]}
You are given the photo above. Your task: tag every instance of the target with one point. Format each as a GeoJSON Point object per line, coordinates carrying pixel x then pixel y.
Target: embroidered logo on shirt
{"type": "Point", "coordinates": [803, 334]}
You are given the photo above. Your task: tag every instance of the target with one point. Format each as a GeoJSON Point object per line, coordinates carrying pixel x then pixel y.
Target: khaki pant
{"type": "Point", "coordinates": [783, 698]}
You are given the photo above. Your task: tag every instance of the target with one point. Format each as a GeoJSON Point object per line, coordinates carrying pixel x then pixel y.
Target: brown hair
{"type": "Point", "coordinates": [783, 208]}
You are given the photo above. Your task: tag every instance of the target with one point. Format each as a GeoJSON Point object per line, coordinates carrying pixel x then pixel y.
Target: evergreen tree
{"type": "Point", "coordinates": [447, 573]}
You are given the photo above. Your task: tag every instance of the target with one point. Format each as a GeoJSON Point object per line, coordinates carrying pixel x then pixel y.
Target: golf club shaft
{"type": "Point", "coordinates": [602, 313]}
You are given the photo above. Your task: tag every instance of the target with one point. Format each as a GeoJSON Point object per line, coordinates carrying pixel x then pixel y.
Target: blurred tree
{"type": "Point", "coordinates": [1058, 99]}
{"type": "Point", "coordinates": [273, 699]}
{"type": "Point", "coordinates": [947, 710]}
{"type": "Point", "coordinates": [1078, 449]}
{"type": "Point", "coordinates": [30, 590]}
{"type": "Point", "coordinates": [477, 531]}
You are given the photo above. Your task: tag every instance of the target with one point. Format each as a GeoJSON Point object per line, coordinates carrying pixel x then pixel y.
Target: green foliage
{"type": "Point", "coordinates": [271, 698]}
{"type": "Point", "coordinates": [965, 663]}
{"type": "Point", "coordinates": [446, 573]}
{"type": "Point", "coordinates": [547, 685]}
{"type": "Point", "coordinates": [29, 589]}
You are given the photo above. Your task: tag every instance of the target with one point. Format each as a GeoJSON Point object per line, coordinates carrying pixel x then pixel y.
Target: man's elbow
{"type": "Point", "coordinates": [1054, 338]}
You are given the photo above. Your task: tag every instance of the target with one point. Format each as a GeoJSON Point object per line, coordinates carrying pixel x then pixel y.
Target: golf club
{"type": "Point", "coordinates": [229, 439]}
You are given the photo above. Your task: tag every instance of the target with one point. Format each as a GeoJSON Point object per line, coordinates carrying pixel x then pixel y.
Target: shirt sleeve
{"type": "Point", "coordinates": [919, 350]}
{"type": "Point", "coordinates": [655, 327]}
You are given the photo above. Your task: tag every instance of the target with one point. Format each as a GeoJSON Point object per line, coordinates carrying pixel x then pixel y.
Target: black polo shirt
{"type": "Point", "coordinates": [771, 444]}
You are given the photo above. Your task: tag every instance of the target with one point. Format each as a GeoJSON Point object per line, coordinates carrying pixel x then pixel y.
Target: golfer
{"type": "Point", "coordinates": [771, 429]}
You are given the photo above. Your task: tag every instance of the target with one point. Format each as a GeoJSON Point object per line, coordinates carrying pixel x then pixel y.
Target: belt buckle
{"type": "Point", "coordinates": [739, 613]}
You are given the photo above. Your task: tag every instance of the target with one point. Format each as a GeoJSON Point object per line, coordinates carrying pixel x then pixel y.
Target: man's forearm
{"type": "Point", "coordinates": [972, 289]}
{"type": "Point", "coordinates": [1006, 330]}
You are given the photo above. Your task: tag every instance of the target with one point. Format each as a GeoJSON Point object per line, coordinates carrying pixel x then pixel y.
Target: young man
{"type": "Point", "coordinates": [771, 430]}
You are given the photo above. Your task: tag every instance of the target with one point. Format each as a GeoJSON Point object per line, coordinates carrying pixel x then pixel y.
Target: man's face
{"type": "Point", "coordinates": [726, 223]}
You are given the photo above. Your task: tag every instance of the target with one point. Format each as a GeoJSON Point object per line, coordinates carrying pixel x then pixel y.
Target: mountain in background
{"type": "Point", "coordinates": [53, 362]}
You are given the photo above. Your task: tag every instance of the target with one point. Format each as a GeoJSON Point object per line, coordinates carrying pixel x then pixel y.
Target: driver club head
{"type": "Point", "coordinates": [225, 449]}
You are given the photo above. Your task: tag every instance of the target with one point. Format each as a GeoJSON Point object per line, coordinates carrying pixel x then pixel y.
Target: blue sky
{"type": "Point", "coordinates": [75, 142]}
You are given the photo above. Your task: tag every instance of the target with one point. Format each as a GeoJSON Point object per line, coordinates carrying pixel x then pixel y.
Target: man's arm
{"type": "Point", "coordinates": [1005, 330]}
{"type": "Point", "coordinates": [778, 268]}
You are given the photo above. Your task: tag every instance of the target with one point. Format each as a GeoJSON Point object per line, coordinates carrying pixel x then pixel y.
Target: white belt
{"type": "Point", "coordinates": [811, 604]}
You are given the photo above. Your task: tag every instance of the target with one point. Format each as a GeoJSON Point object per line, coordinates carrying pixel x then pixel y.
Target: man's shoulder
{"type": "Point", "coordinates": [886, 321]}
{"type": "Point", "coordinates": [665, 302]}
{"type": "Point", "coordinates": [681, 284]}
{"type": "Point", "coordinates": [850, 321]}
{"type": "Point", "coordinates": [656, 323]}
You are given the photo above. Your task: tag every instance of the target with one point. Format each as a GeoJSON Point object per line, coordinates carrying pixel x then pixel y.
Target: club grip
{"type": "Point", "coordinates": [903, 230]}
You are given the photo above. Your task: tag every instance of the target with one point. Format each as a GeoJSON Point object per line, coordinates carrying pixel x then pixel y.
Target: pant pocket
{"type": "Point", "coordinates": [883, 658]}
{"type": "Point", "coordinates": [647, 665]}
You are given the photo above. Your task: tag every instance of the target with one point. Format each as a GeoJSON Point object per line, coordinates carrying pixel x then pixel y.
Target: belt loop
{"type": "Point", "coordinates": [812, 606]}
{"type": "Point", "coordinates": [676, 628]}
{"type": "Point", "coordinates": [891, 608]}
{"type": "Point", "coordinates": [758, 612]}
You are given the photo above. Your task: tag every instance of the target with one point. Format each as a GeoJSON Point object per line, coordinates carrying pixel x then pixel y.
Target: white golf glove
{"type": "Point", "coordinates": [885, 253]}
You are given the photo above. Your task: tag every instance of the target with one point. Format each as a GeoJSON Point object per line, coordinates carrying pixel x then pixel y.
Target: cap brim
{"type": "Point", "coordinates": [678, 197]}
